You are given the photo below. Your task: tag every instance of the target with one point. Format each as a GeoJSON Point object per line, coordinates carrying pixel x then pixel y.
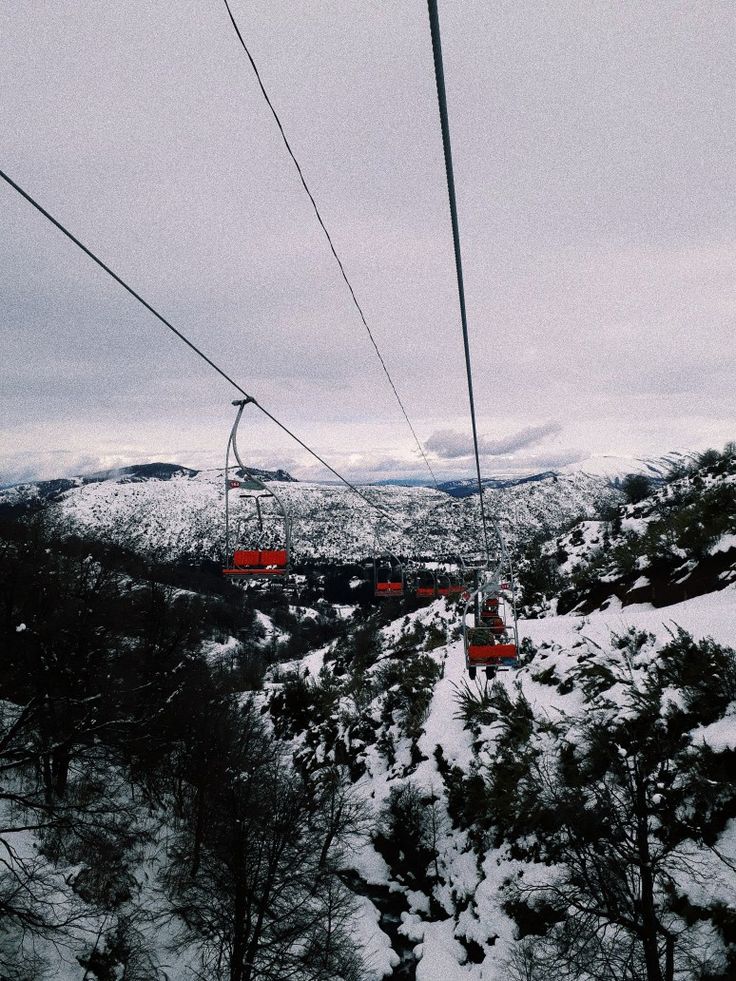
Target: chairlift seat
{"type": "Point", "coordinates": [258, 562]}
{"type": "Point", "coordinates": [494, 622]}
{"type": "Point", "coordinates": [490, 654]}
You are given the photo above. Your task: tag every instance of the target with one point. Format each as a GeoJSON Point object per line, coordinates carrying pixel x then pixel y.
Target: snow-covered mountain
{"type": "Point", "coordinates": [609, 466]}
{"type": "Point", "coordinates": [467, 486]}
{"type": "Point", "coordinates": [677, 542]}
{"type": "Point", "coordinates": [614, 467]}
{"type": "Point", "coordinates": [181, 512]}
{"type": "Point", "coordinates": [137, 473]}
{"type": "Point", "coordinates": [491, 831]}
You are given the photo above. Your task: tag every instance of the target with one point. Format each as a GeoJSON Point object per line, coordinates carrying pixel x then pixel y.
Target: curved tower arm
{"type": "Point", "coordinates": [255, 483]}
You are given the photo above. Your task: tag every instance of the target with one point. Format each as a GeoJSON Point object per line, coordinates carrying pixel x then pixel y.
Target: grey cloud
{"type": "Point", "coordinates": [21, 468]}
{"type": "Point", "coordinates": [551, 461]}
{"type": "Point", "coordinates": [451, 445]}
{"type": "Point", "coordinates": [593, 152]}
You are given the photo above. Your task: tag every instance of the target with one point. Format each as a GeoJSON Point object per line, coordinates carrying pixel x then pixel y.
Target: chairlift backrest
{"type": "Point", "coordinates": [388, 576]}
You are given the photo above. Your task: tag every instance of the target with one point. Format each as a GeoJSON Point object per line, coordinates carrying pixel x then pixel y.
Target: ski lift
{"type": "Point", "coordinates": [450, 584]}
{"type": "Point", "coordinates": [490, 614]}
{"type": "Point", "coordinates": [388, 577]}
{"type": "Point", "coordinates": [425, 586]}
{"type": "Point", "coordinates": [249, 557]}
{"type": "Point", "coordinates": [473, 563]}
{"type": "Point", "coordinates": [492, 642]}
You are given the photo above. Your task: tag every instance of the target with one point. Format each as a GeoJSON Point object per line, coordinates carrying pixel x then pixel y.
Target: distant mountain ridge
{"type": "Point", "coordinates": [615, 467]}
{"type": "Point", "coordinates": [137, 473]}
{"type": "Point", "coordinates": [179, 509]}
{"type": "Point", "coordinates": [178, 512]}
{"type": "Point", "coordinates": [610, 467]}
{"type": "Point", "coordinates": [468, 486]}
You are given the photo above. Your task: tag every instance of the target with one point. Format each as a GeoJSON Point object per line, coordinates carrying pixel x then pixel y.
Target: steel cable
{"type": "Point", "coordinates": [434, 24]}
{"type": "Point", "coordinates": [329, 240]}
{"type": "Point", "coordinates": [193, 346]}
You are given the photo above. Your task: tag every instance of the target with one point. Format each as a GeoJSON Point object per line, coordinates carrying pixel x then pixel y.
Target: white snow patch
{"type": "Point", "coordinates": [724, 544]}
{"type": "Point", "coordinates": [721, 734]}
{"type": "Point", "coordinates": [441, 954]}
{"type": "Point", "coordinates": [380, 958]}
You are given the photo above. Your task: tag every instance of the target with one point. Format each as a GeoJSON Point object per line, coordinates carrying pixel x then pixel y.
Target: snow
{"type": "Point", "coordinates": [418, 902]}
{"type": "Point", "coordinates": [712, 615]}
{"type": "Point", "coordinates": [60, 953]}
{"type": "Point", "coordinates": [476, 893]}
{"type": "Point", "coordinates": [379, 957]}
{"type": "Point", "coordinates": [578, 544]}
{"type": "Point", "coordinates": [441, 954]}
{"type": "Point", "coordinates": [464, 874]}
{"type": "Point", "coordinates": [265, 621]}
{"type": "Point", "coordinates": [412, 927]}
{"type": "Point", "coordinates": [305, 612]}
{"type": "Point", "coordinates": [724, 544]}
{"type": "Point", "coordinates": [217, 652]}
{"type": "Point", "coordinates": [370, 866]}
{"type": "Point", "coordinates": [636, 526]}
{"type": "Point", "coordinates": [617, 466]}
{"type": "Point", "coordinates": [185, 514]}
{"type": "Point", "coordinates": [442, 728]}
{"type": "Point", "coordinates": [720, 735]}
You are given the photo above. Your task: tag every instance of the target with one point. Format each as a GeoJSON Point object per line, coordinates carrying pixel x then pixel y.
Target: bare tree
{"type": "Point", "coordinates": [265, 900]}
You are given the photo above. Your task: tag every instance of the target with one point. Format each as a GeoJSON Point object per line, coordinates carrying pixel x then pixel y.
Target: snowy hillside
{"type": "Point", "coordinates": [677, 542]}
{"type": "Point", "coordinates": [324, 765]}
{"type": "Point", "coordinates": [616, 467]}
{"type": "Point", "coordinates": [456, 884]}
{"type": "Point", "coordinates": [184, 515]}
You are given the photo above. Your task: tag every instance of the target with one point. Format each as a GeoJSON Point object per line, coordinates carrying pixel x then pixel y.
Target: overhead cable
{"type": "Point", "coordinates": [439, 74]}
{"type": "Point", "coordinates": [190, 344]}
{"type": "Point", "coordinates": [329, 240]}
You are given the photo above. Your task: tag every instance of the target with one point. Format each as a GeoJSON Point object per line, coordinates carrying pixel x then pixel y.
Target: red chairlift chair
{"type": "Point", "coordinates": [425, 587]}
{"type": "Point", "coordinates": [450, 584]}
{"type": "Point", "coordinates": [250, 561]}
{"type": "Point", "coordinates": [388, 577]}
{"type": "Point", "coordinates": [491, 642]}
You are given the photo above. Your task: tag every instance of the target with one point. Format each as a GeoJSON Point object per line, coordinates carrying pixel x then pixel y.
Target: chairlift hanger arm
{"type": "Point", "coordinates": [234, 438]}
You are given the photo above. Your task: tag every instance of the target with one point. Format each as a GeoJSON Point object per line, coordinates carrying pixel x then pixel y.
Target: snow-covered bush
{"type": "Point", "coordinates": [628, 802]}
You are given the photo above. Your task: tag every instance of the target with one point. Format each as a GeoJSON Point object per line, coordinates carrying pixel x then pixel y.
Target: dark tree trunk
{"type": "Point", "coordinates": [239, 969]}
{"type": "Point", "coordinates": [669, 967]}
{"type": "Point", "coordinates": [48, 783]}
{"type": "Point", "coordinates": [60, 771]}
{"type": "Point", "coordinates": [198, 831]}
{"type": "Point", "coordinates": [649, 924]}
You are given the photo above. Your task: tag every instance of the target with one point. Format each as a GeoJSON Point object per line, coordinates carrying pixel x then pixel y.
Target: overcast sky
{"type": "Point", "coordinates": [594, 161]}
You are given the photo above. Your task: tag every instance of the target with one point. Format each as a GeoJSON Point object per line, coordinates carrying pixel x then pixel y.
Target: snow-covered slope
{"type": "Point", "coordinates": [678, 542]}
{"type": "Point", "coordinates": [184, 515]}
{"type": "Point", "coordinates": [615, 467]}
{"type": "Point", "coordinates": [454, 921]}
